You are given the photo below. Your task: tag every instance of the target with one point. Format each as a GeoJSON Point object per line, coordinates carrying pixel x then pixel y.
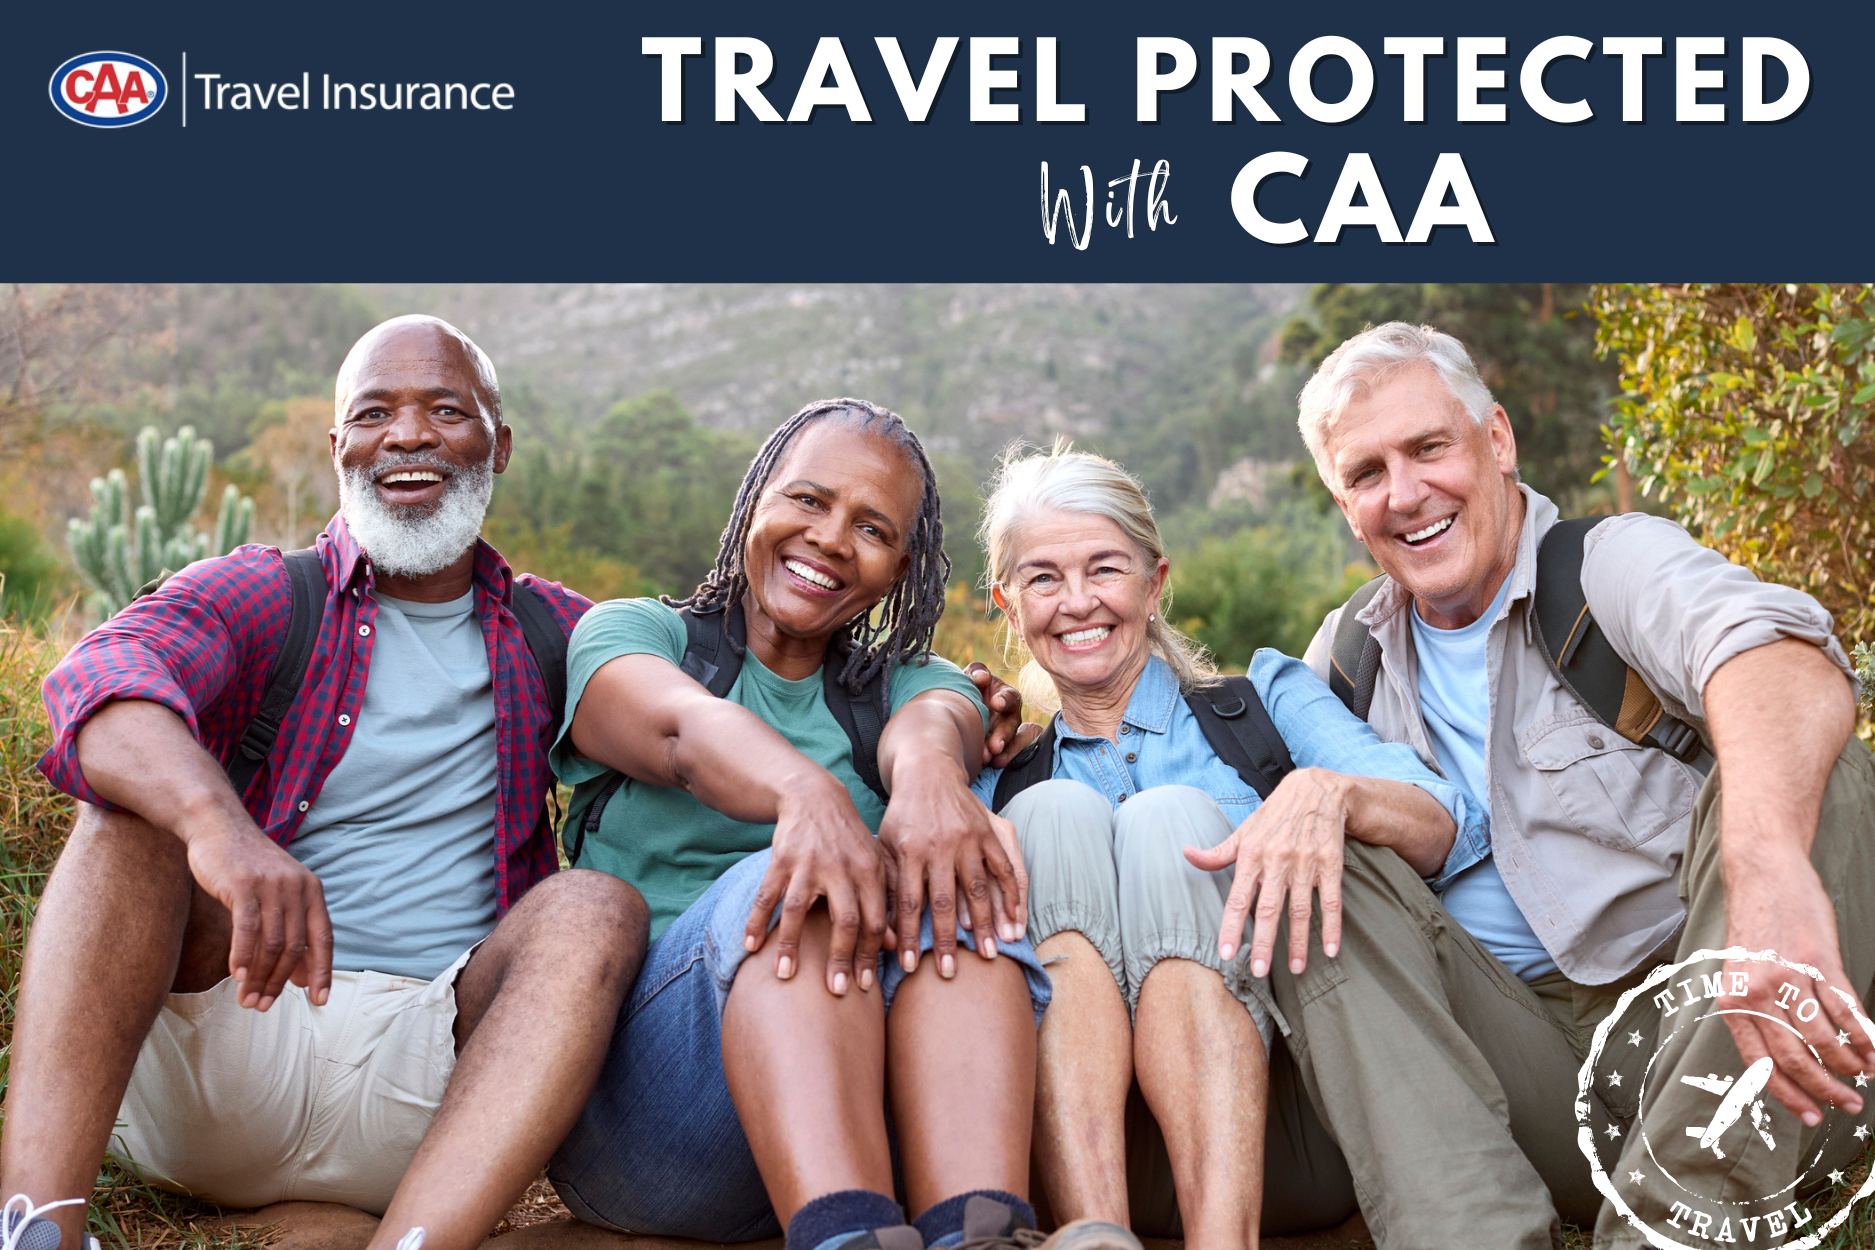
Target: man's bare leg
{"type": "Point", "coordinates": [106, 947]}
{"type": "Point", "coordinates": [1084, 1070]}
{"type": "Point", "coordinates": [535, 1010]}
{"type": "Point", "coordinates": [1205, 1075]}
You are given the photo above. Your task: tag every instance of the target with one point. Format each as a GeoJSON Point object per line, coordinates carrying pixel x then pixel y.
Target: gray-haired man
{"type": "Point", "coordinates": [1442, 1045]}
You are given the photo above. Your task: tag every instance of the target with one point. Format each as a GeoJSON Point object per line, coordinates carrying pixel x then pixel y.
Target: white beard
{"type": "Point", "coordinates": [416, 540]}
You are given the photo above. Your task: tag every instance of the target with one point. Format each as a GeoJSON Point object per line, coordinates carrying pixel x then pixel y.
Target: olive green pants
{"type": "Point", "coordinates": [1450, 1085]}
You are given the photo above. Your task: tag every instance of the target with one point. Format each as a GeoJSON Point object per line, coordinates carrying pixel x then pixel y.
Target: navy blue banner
{"type": "Point", "coordinates": [968, 141]}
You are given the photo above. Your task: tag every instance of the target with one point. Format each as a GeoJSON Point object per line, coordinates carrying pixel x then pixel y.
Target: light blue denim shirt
{"type": "Point", "coordinates": [1161, 743]}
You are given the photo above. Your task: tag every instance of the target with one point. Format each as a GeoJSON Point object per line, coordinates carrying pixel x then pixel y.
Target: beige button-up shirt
{"type": "Point", "coordinates": [1588, 828]}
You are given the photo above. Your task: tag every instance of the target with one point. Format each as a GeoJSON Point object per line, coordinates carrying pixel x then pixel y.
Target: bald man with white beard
{"type": "Point", "coordinates": [361, 980]}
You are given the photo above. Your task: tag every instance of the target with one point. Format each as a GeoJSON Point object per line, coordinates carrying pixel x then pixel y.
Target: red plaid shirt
{"type": "Point", "coordinates": [203, 647]}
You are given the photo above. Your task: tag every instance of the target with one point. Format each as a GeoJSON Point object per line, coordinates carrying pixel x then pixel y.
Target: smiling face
{"type": "Point", "coordinates": [1430, 492]}
{"type": "Point", "coordinates": [415, 447]}
{"type": "Point", "coordinates": [827, 539]}
{"type": "Point", "coordinates": [1081, 594]}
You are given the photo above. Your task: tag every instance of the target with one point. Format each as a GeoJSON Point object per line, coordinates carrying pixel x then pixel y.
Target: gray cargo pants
{"type": "Point", "coordinates": [1120, 879]}
{"type": "Point", "coordinates": [1451, 1085]}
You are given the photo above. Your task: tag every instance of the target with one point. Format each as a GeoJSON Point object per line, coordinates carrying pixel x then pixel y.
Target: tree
{"type": "Point", "coordinates": [1535, 348]}
{"type": "Point", "coordinates": [1747, 407]}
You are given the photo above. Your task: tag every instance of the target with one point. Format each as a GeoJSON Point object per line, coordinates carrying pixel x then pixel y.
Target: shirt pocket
{"type": "Point", "coordinates": [1610, 790]}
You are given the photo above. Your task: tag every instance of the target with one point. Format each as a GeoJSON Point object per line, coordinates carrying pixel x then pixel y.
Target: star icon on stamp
{"type": "Point", "coordinates": [1835, 1178]}
{"type": "Point", "coordinates": [1614, 1132]}
{"type": "Point", "coordinates": [1636, 1177]}
{"type": "Point", "coordinates": [1842, 1037]}
{"type": "Point", "coordinates": [1861, 1080]}
{"type": "Point", "coordinates": [1614, 1078]}
{"type": "Point", "coordinates": [1861, 1132]}
{"type": "Point", "coordinates": [1634, 1038]}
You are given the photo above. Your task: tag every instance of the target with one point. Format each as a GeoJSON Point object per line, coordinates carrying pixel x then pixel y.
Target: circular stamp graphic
{"type": "Point", "coordinates": [1685, 1140]}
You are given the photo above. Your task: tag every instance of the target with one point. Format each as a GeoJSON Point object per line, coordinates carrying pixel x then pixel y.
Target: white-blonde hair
{"type": "Point", "coordinates": [1368, 359]}
{"type": "Point", "coordinates": [1028, 482]}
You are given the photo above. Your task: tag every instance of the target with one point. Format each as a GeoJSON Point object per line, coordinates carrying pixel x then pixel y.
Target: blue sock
{"type": "Point", "coordinates": [836, 1216]}
{"type": "Point", "coordinates": [943, 1224]}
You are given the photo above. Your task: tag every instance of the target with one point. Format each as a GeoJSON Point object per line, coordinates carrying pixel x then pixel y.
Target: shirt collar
{"type": "Point", "coordinates": [347, 564]}
{"type": "Point", "coordinates": [1149, 710]}
{"type": "Point", "coordinates": [1538, 515]}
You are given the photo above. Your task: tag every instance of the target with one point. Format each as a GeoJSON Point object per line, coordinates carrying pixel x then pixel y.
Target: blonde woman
{"type": "Point", "coordinates": [1145, 847]}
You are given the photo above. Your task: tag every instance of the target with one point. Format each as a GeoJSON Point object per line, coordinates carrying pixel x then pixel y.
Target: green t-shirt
{"type": "Point", "coordinates": [664, 840]}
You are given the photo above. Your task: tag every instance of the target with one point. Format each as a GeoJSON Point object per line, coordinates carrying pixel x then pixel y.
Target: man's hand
{"type": "Point", "coordinates": [281, 929]}
{"type": "Point", "coordinates": [943, 840]}
{"type": "Point", "coordinates": [1009, 733]}
{"type": "Point", "coordinates": [1289, 847]}
{"type": "Point", "coordinates": [823, 850]}
{"type": "Point", "coordinates": [1783, 907]}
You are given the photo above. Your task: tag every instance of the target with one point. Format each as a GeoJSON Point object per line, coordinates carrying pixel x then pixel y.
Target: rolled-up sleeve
{"type": "Point", "coordinates": [1321, 733]}
{"type": "Point", "coordinates": [1677, 611]}
{"type": "Point", "coordinates": [176, 648]}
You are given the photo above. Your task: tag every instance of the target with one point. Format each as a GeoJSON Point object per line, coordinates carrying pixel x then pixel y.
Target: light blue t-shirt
{"type": "Point", "coordinates": [1455, 698]}
{"type": "Point", "coordinates": [402, 835]}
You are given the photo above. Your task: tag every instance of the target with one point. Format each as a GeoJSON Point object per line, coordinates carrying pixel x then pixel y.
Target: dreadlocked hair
{"type": "Point", "coordinates": [901, 626]}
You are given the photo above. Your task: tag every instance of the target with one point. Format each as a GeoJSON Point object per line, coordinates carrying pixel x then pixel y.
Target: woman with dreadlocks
{"type": "Point", "coordinates": [721, 753]}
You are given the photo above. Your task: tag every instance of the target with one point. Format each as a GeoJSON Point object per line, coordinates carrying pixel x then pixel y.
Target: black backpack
{"type": "Point", "coordinates": [1577, 651]}
{"type": "Point", "coordinates": [545, 642]}
{"type": "Point", "coordinates": [1235, 723]}
{"type": "Point", "coordinates": [713, 650]}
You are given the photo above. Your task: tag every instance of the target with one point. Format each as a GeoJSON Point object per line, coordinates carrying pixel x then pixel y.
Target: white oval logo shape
{"type": "Point", "coordinates": [108, 89]}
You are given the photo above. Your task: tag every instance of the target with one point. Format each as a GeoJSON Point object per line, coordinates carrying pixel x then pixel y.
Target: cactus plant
{"type": "Point", "coordinates": [119, 553]}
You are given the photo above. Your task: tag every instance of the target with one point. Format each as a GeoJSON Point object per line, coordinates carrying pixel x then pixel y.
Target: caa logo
{"type": "Point", "coordinates": [108, 89]}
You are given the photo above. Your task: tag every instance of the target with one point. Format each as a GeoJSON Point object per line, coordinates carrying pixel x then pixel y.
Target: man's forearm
{"type": "Point", "coordinates": [1779, 715]}
{"type": "Point", "coordinates": [142, 757]}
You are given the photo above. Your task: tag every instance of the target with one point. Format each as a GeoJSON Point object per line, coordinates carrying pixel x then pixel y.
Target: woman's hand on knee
{"type": "Point", "coordinates": [1289, 848]}
{"type": "Point", "coordinates": [822, 850]}
{"type": "Point", "coordinates": [946, 844]}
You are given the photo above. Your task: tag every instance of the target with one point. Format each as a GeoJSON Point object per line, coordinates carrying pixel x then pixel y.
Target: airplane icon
{"type": "Point", "coordinates": [1734, 1097]}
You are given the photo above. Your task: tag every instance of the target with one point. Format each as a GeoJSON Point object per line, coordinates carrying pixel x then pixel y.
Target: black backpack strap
{"type": "Point", "coordinates": [1587, 664]}
{"type": "Point", "coordinates": [546, 642]}
{"type": "Point", "coordinates": [862, 717]}
{"type": "Point", "coordinates": [1240, 730]}
{"type": "Point", "coordinates": [714, 646]}
{"type": "Point", "coordinates": [308, 577]}
{"type": "Point", "coordinates": [1354, 656]}
{"type": "Point", "coordinates": [1034, 764]}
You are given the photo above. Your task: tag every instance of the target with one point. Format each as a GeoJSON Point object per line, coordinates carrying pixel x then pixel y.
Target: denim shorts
{"type": "Point", "coordinates": [658, 1148]}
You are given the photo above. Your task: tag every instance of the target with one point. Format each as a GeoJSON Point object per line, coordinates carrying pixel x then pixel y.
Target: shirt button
{"type": "Point", "coordinates": [344, 719]}
{"type": "Point", "coordinates": [1595, 742]}
{"type": "Point", "coordinates": [303, 805]}
{"type": "Point", "coordinates": [1132, 757]}
{"type": "Point", "coordinates": [1122, 798]}
{"type": "Point", "coordinates": [1126, 729]}
{"type": "Point", "coordinates": [364, 631]}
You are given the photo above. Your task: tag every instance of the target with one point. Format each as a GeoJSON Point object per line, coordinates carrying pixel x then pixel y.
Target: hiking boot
{"type": "Point", "coordinates": [24, 1226]}
{"type": "Point", "coordinates": [899, 1237]}
{"type": "Point", "coordinates": [991, 1225]}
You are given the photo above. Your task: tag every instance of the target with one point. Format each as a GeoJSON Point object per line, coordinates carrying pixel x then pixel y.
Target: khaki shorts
{"type": "Point", "coordinates": [322, 1104]}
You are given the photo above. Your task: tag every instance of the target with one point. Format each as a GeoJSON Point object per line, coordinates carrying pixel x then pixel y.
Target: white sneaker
{"type": "Point", "coordinates": [23, 1226]}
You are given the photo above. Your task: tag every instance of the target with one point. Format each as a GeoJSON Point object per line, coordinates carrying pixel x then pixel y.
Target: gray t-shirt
{"type": "Point", "coordinates": [402, 835]}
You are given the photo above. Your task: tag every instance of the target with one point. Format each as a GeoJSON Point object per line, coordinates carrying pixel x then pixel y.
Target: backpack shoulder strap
{"type": "Point", "coordinates": [1585, 662]}
{"type": "Point", "coordinates": [713, 652]}
{"type": "Point", "coordinates": [1240, 730]}
{"type": "Point", "coordinates": [546, 642]}
{"type": "Point", "coordinates": [1034, 764]}
{"type": "Point", "coordinates": [863, 717]}
{"type": "Point", "coordinates": [308, 577]}
{"type": "Point", "coordinates": [1354, 656]}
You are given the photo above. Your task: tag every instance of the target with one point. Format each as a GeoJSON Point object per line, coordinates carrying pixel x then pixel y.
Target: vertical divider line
{"type": "Point", "coordinates": [185, 90]}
